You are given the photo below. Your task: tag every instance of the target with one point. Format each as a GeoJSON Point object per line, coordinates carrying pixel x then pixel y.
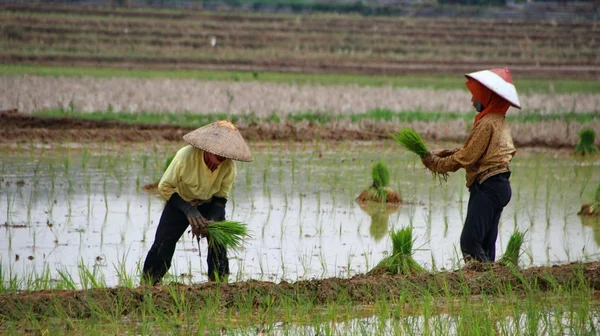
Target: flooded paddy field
{"type": "Point", "coordinates": [80, 210]}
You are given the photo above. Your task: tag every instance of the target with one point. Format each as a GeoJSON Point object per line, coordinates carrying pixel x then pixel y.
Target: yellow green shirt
{"type": "Point", "coordinates": [189, 176]}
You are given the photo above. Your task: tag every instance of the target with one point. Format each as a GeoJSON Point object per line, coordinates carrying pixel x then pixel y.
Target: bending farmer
{"type": "Point", "coordinates": [196, 186]}
{"type": "Point", "coordinates": [485, 156]}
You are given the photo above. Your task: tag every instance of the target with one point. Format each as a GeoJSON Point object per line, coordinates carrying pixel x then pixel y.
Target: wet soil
{"type": "Point", "coordinates": [364, 289]}
{"type": "Point", "coordinates": [24, 128]}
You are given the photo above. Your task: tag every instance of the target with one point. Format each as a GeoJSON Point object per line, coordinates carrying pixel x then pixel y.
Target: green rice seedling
{"type": "Point", "coordinates": [380, 191]}
{"type": "Point", "coordinates": [513, 250]}
{"type": "Point", "coordinates": [586, 142]}
{"type": "Point", "coordinates": [410, 140]}
{"type": "Point", "coordinates": [401, 260]}
{"type": "Point", "coordinates": [229, 234]}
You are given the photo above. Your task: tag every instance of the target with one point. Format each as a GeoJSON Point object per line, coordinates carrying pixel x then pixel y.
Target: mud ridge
{"type": "Point", "coordinates": [24, 128]}
{"type": "Point", "coordinates": [496, 281]}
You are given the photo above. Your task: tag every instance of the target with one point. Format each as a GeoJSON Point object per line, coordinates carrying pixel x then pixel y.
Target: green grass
{"type": "Point", "coordinates": [456, 82]}
{"type": "Point", "coordinates": [557, 305]}
{"type": "Point", "coordinates": [189, 119]}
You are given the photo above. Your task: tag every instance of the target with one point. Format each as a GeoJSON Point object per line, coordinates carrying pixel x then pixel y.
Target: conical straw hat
{"type": "Point", "coordinates": [220, 138]}
{"type": "Point", "coordinates": [500, 81]}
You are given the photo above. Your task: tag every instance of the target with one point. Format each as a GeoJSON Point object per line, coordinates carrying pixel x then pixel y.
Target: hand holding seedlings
{"type": "Point", "coordinates": [199, 226]}
{"type": "Point", "coordinates": [444, 153]}
{"type": "Point", "coordinates": [427, 160]}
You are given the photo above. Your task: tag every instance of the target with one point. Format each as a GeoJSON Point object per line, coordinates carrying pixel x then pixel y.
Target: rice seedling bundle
{"type": "Point", "coordinates": [401, 260]}
{"type": "Point", "coordinates": [513, 250]}
{"type": "Point", "coordinates": [586, 142]}
{"type": "Point", "coordinates": [410, 140]}
{"type": "Point", "coordinates": [229, 234]}
{"type": "Point", "coordinates": [381, 175]}
{"type": "Point", "coordinates": [380, 190]}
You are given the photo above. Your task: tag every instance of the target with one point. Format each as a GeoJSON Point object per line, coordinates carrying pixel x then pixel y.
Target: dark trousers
{"type": "Point", "coordinates": [487, 200]}
{"type": "Point", "coordinates": [171, 227]}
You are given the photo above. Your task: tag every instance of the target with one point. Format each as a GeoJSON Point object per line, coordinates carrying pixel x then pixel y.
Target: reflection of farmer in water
{"type": "Point", "coordinates": [196, 186]}
{"type": "Point", "coordinates": [485, 156]}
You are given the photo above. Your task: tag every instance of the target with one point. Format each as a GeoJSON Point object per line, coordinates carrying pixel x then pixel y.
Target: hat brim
{"type": "Point", "coordinates": [498, 85]}
{"type": "Point", "coordinates": [220, 138]}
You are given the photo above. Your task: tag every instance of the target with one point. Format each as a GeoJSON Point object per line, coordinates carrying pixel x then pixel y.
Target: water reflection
{"type": "Point", "coordinates": [592, 222]}
{"type": "Point", "coordinates": [380, 216]}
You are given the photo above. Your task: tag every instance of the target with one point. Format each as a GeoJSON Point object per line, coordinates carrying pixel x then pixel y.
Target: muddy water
{"type": "Point", "coordinates": [65, 207]}
{"type": "Point", "coordinates": [547, 323]}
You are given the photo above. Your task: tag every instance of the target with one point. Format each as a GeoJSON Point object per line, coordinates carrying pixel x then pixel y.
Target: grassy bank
{"type": "Point", "coordinates": [197, 120]}
{"type": "Point", "coordinates": [442, 83]}
{"type": "Point", "coordinates": [553, 301]}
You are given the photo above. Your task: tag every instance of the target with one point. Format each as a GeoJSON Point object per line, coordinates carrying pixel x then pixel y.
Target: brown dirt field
{"type": "Point", "coordinates": [363, 289]}
{"type": "Point", "coordinates": [294, 43]}
{"type": "Point", "coordinates": [24, 128]}
{"type": "Point", "coordinates": [340, 21]}
{"type": "Point", "coordinates": [299, 65]}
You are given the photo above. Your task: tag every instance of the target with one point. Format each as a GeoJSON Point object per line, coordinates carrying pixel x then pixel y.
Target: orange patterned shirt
{"type": "Point", "coordinates": [487, 151]}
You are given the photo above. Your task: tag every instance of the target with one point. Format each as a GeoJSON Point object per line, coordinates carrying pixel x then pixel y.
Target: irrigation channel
{"type": "Point", "coordinates": [68, 207]}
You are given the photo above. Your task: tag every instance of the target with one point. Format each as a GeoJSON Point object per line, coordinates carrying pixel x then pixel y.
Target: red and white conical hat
{"type": "Point", "coordinates": [499, 81]}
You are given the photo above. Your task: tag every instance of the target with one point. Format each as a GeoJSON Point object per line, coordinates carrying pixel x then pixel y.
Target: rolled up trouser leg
{"type": "Point", "coordinates": [218, 264]}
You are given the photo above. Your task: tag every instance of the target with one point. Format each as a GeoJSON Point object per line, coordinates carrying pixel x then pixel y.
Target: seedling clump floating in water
{"type": "Point", "coordinates": [380, 191]}
{"type": "Point", "coordinates": [586, 142]}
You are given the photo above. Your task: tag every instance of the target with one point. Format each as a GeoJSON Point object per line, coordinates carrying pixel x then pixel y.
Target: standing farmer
{"type": "Point", "coordinates": [196, 186]}
{"type": "Point", "coordinates": [485, 156]}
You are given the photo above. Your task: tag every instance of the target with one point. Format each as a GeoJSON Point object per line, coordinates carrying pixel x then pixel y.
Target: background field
{"type": "Point", "coordinates": [295, 43]}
